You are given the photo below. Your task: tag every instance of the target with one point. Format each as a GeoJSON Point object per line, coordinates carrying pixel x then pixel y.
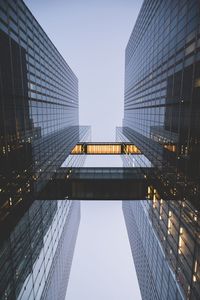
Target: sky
{"type": "Point", "coordinates": [92, 35]}
{"type": "Point", "coordinates": [102, 267]}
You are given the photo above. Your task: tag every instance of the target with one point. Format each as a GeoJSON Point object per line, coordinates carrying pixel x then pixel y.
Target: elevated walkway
{"type": "Point", "coordinates": [98, 184]}
{"type": "Point", "coordinates": [105, 149]}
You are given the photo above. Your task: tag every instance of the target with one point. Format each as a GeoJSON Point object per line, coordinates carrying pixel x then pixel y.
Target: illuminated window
{"type": "Point", "coordinates": [131, 149]}
{"type": "Point", "coordinates": [171, 148]}
{"type": "Point", "coordinates": [77, 149]}
{"type": "Point", "coordinates": [197, 82]}
{"type": "Point", "coordinates": [180, 241]}
{"type": "Point", "coordinates": [169, 222]}
{"type": "Point", "coordinates": [105, 149]}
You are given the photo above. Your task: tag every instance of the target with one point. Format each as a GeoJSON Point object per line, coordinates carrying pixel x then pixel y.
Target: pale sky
{"type": "Point", "coordinates": [102, 267]}
{"type": "Point", "coordinates": [92, 35]}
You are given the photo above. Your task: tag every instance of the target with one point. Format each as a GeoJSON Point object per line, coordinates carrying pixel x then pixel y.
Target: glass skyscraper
{"type": "Point", "coordinates": [39, 126]}
{"type": "Point", "coordinates": [36, 256]}
{"type": "Point", "coordinates": [161, 117]}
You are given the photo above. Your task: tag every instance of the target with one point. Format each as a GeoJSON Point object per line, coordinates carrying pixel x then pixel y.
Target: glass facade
{"type": "Point", "coordinates": [161, 117]}
{"type": "Point", "coordinates": [39, 126]}
{"type": "Point", "coordinates": [161, 109]}
{"type": "Point", "coordinates": [36, 256]}
{"type": "Point", "coordinates": [155, 278]}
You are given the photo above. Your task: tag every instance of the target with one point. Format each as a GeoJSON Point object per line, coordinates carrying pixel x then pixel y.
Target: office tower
{"type": "Point", "coordinates": [155, 278]}
{"type": "Point", "coordinates": [36, 256]}
{"type": "Point", "coordinates": [161, 117]}
{"type": "Point", "coordinates": [38, 128]}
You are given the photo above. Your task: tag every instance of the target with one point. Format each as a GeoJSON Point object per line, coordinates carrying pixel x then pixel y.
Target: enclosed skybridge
{"type": "Point", "coordinates": [105, 149]}
{"type": "Point", "coordinates": [101, 183]}
{"type": "Point", "coordinates": [98, 184]}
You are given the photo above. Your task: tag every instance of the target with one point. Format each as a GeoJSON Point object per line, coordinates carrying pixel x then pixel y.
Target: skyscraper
{"type": "Point", "coordinates": [38, 128]}
{"type": "Point", "coordinates": [161, 117]}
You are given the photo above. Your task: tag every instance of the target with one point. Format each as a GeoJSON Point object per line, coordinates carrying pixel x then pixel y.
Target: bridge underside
{"type": "Point", "coordinates": [97, 184]}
